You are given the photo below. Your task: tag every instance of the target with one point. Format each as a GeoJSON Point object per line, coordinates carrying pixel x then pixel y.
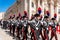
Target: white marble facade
{"type": "Point", "coordinates": [31, 7]}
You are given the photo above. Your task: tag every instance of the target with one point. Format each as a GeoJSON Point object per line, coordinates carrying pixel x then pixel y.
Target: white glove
{"type": "Point", "coordinates": [36, 28]}
{"type": "Point", "coordinates": [42, 23]}
{"type": "Point", "coordinates": [24, 25]}
{"type": "Point", "coordinates": [55, 26]}
{"type": "Point", "coordinates": [22, 21]}
{"type": "Point", "coordinates": [12, 24]}
{"type": "Point", "coordinates": [18, 23]}
{"type": "Point", "coordinates": [47, 28]}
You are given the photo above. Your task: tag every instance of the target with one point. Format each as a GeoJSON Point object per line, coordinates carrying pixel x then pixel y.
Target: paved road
{"type": "Point", "coordinates": [58, 36]}
{"type": "Point", "coordinates": [5, 36]}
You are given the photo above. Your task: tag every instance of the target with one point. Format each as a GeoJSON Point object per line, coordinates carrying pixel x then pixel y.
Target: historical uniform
{"type": "Point", "coordinates": [24, 22]}
{"type": "Point", "coordinates": [10, 24]}
{"type": "Point", "coordinates": [13, 23]}
{"type": "Point", "coordinates": [53, 24]}
{"type": "Point", "coordinates": [45, 27]}
{"type": "Point", "coordinates": [19, 27]}
{"type": "Point", "coordinates": [36, 25]}
{"type": "Point", "coordinates": [5, 24]}
{"type": "Point", "coordinates": [32, 26]}
{"type": "Point", "coordinates": [13, 26]}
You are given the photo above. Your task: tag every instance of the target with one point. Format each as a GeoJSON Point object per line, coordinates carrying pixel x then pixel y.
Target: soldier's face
{"type": "Point", "coordinates": [53, 20]}
{"type": "Point", "coordinates": [25, 18]}
{"type": "Point", "coordinates": [47, 19]}
{"type": "Point", "coordinates": [38, 17]}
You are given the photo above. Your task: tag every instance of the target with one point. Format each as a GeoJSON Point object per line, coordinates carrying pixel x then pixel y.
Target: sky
{"type": "Point", "coordinates": [5, 4]}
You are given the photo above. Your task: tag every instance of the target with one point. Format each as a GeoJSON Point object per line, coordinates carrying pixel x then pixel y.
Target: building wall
{"type": "Point", "coordinates": [31, 7]}
{"type": "Point", "coordinates": [21, 7]}
{"type": "Point", "coordinates": [58, 8]}
{"type": "Point", "coordinates": [1, 15]}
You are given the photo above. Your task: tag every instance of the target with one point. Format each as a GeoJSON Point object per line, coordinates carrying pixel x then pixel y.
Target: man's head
{"type": "Point", "coordinates": [25, 17]}
{"type": "Point", "coordinates": [53, 19]}
{"type": "Point", "coordinates": [37, 16]}
{"type": "Point", "coordinates": [46, 18]}
{"type": "Point", "coordinates": [10, 17]}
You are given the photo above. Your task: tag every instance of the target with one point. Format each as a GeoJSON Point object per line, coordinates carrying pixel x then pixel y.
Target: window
{"type": "Point", "coordinates": [59, 19]}
{"type": "Point", "coordinates": [59, 11]}
{"type": "Point", "coordinates": [32, 4]}
{"type": "Point", "coordinates": [40, 2]}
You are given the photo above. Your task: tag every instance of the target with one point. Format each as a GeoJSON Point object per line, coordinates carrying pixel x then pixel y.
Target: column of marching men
{"type": "Point", "coordinates": [33, 28]}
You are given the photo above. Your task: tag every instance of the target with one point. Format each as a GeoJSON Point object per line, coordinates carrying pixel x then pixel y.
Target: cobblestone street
{"type": "Point", "coordinates": [5, 36]}
{"type": "Point", "coordinates": [29, 19]}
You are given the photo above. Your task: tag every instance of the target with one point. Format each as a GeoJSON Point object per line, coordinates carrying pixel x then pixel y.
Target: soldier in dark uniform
{"type": "Point", "coordinates": [5, 24]}
{"type": "Point", "coordinates": [53, 25]}
{"type": "Point", "coordinates": [13, 25]}
{"type": "Point", "coordinates": [37, 26]}
{"type": "Point", "coordinates": [45, 27]}
{"type": "Point", "coordinates": [19, 26]}
{"type": "Point", "coordinates": [24, 23]}
{"type": "Point", "coordinates": [32, 23]}
{"type": "Point", "coordinates": [0, 22]}
{"type": "Point", "coordinates": [9, 23]}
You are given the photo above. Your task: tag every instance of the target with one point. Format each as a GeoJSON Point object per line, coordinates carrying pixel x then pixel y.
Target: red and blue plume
{"type": "Point", "coordinates": [13, 16]}
{"type": "Point", "coordinates": [48, 13]}
{"type": "Point", "coordinates": [55, 15]}
{"type": "Point", "coordinates": [19, 15]}
{"type": "Point", "coordinates": [10, 17]}
{"type": "Point", "coordinates": [39, 10]}
{"type": "Point", "coordinates": [25, 13]}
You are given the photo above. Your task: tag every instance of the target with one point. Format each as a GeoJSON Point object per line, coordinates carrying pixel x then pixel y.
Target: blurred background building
{"type": "Point", "coordinates": [2, 15]}
{"type": "Point", "coordinates": [31, 7]}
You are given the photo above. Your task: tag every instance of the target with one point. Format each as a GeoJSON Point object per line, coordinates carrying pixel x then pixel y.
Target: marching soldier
{"type": "Point", "coordinates": [13, 25]}
{"type": "Point", "coordinates": [9, 24]}
{"type": "Point", "coordinates": [37, 26]}
{"type": "Point", "coordinates": [32, 23]}
{"type": "Point", "coordinates": [0, 22]}
{"type": "Point", "coordinates": [5, 24]}
{"type": "Point", "coordinates": [19, 26]}
{"type": "Point", "coordinates": [45, 27]}
{"type": "Point", "coordinates": [24, 23]}
{"type": "Point", "coordinates": [53, 25]}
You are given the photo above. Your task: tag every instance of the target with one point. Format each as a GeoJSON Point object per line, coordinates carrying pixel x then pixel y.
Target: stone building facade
{"type": "Point", "coordinates": [31, 6]}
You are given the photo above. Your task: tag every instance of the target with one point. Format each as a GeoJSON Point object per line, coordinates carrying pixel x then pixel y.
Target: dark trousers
{"type": "Point", "coordinates": [53, 33]}
{"type": "Point", "coordinates": [13, 28]}
{"type": "Point", "coordinates": [18, 31]}
{"type": "Point", "coordinates": [10, 28]}
{"type": "Point", "coordinates": [46, 32]}
{"type": "Point", "coordinates": [33, 34]}
{"type": "Point", "coordinates": [41, 34]}
{"type": "Point", "coordinates": [36, 33]}
{"type": "Point", "coordinates": [25, 33]}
